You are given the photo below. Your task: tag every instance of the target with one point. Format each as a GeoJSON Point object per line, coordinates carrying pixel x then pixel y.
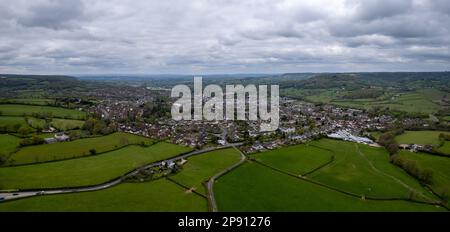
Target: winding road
{"type": "Point", "coordinates": [12, 195]}
{"type": "Point", "coordinates": [210, 183]}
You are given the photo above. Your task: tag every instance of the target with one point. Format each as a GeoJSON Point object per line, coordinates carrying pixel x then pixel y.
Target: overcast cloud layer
{"type": "Point", "coordinates": [242, 36]}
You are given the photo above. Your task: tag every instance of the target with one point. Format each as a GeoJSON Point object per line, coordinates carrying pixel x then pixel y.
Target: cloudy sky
{"type": "Point", "coordinates": [223, 36]}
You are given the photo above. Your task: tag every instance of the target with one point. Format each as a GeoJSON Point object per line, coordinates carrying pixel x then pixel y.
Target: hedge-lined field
{"type": "Point", "coordinates": [160, 195]}
{"type": "Point", "coordinates": [8, 144]}
{"type": "Point", "coordinates": [253, 187]}
{"type": "Point", "coordinates": [425, 138]}
{"type": "Point", "coordinates": [66, 124]}
{"type": "Point", "coordinates": [352, 171]}
{"type": "Point", "coordinates": [298, 159]}
{"type": "Point", "coordinates": [86, 171]}
{"type": "Point", "coordinates": [29, 110]}
{"type": "Point", "coordinates": [13, 124]}
{"type": "Point", "coordinates": [73, 149]}
{"type": "Point", "coordinates": [439, 166]}
{"type": "Point", "coordinates": [200, 168]}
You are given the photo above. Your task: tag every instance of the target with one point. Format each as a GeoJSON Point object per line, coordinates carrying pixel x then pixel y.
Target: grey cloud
{"type": "Point", "coordinates": [53, 14]}
{"type": "Point", "coordinates": [380, 9]}
{"type": "Point", "coordinates": [95, 36]}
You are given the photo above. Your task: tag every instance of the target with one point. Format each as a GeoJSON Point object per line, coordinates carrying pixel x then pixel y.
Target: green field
{"type": "Point", "coordinates": [440, 167]}
{"type": "Point", "coordinates": [297, 160]}
{"type": "Point", "coordinates": [159, 195]}
{"type": "Point", "coordinates": [73, 149]}
{"type": "Point", "coordinates": [30, 101]}
{"type": "Point", "coordinates": [67, 124]}
{"type": "Point", "coordinates": [200, 168]}
{"type": "Point", "coordinates": [36, 122]}
{"type": "Point", "coordinates": [445, 148]}
{"type": "Point", "coordinates": [424, 138]}
{"type": "Point", "coordinates": [12, 124]}
{"type": "Point", "coordinates": [21, 110]}
{"type": "Point", "coordinates": [253, 187]}
{"type": "Point", "coordinates": [376, 135]}
{"type": "Point", "coordinates": [86, 171]}
{"type": "Point", "coordinates": [420, 101]}
{"type": "Point", "coordinates": [408, 102]}
{"type": "Point", "coordinates": [365, 170]}
{"type": "Point", "coordinates": [420, 137]}
{"type": "Point", "coordinates": [8, 144]}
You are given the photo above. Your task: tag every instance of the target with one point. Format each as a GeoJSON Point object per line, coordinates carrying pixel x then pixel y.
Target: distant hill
{"type": "Point", "coordinates": [401, 80]}
{"type": "Point", "coordinates": [11, 84]}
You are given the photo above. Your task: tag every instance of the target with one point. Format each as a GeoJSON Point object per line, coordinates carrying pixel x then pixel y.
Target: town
{"type": "Point", "coordinates": [299, 122]}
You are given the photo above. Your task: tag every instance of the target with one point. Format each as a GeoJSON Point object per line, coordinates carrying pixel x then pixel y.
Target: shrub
{"type": "Point", "coordinates": [34, 140]}
{"type": "Point", "coordinates": [93, 151]}
{"type": "Point", "coordinates": [2, 159]}
{"type": "Point", "coordinates": [411, 167]}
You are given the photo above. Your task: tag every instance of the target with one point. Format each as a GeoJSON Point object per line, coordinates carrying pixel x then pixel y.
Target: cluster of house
{"type": "Point", "coordinates": [259, 146]}
{"type": "Point", "coordinates": [299, 122]}
{"type": "Point", "coordinates": [118, 110]}
{"type": "Point", "coordinates": [416, 147]}
{"type": "Point", "coordinates": [58, 137]}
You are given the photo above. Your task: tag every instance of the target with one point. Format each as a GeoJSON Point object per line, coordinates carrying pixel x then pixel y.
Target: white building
{"type": "Point", "coordinates": [347, 136]}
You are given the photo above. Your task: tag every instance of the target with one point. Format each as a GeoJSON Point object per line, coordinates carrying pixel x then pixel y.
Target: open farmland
{"type": "Point", "coordinates": [8, 144]}
{"type": "Point", "coordinates": [200, 168]}
{"type": "Point", "coordinates": [73, 149]}
{"type": "Point", "coordinates": [13, 124]}
{"type": "Point", "coordinates": [440, 167]}
{"type": "Point", "coordinates": [425, 138]}
{"type": "Point", "coordinates": [253, 187]}
{"type": "Point", "coordinates": [419, 101]}
{"type": "Point", "coordinates": [359, 178]}
{"type": "Point", "coordinates": [86, 171]}
{"type": "Point", "coordinates": [159, 195]}
{"type": "Point", "coordinates": [67, 124]}
{"type": "Point", "coordinates": [445, 148]}
{"type": "Point", "coordinates": [420, 137]}
{"type": "Point", "coordinates": [29, 110]}
{"type": "Point", "coordinates": [29, 101]}
{"type": "Point", "coordinates": [298, 160]}
{"type": "Point", "coordinates": [366, 171]}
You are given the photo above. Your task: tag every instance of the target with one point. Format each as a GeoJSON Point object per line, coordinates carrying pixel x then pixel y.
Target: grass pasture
{"type": "Point", "coordinates": [159, 195]}
{"type": "Point", "coordinates": [297, 160]}
{"type": "Point", "coordinates": [35, 122]}
{"type": "Point", "coordinates": [365, 170]}
{"type": "Point", "coordinates": [12, 124]}
{"type": "Point", "coordinates": [419, 101]}
{"type": "Point", "coordinates": [420, 137]}
{"type": "Point", "coordinates": [200, 168]}
{"type": "Point", "coordinates": [86, 171]}
{"type": "Point", "coordinates": [445, 148]}
{"type": "Point", "coordinates": [440, 166]}
{"type": "Point", "coordinates": [67, 124]}
{"type": "Point", "coordinates": [28, 110]}
{"type": "Point", "coordinates": [8, 144]}
{"type": "Point", "coordinates": [253, 187]}
{"type": "Point", "coordinates": [425, 138]}
{"type": "Point", "coordinates": [29, 101]}
{"type": "Point", "coordinates": [73, 149]}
